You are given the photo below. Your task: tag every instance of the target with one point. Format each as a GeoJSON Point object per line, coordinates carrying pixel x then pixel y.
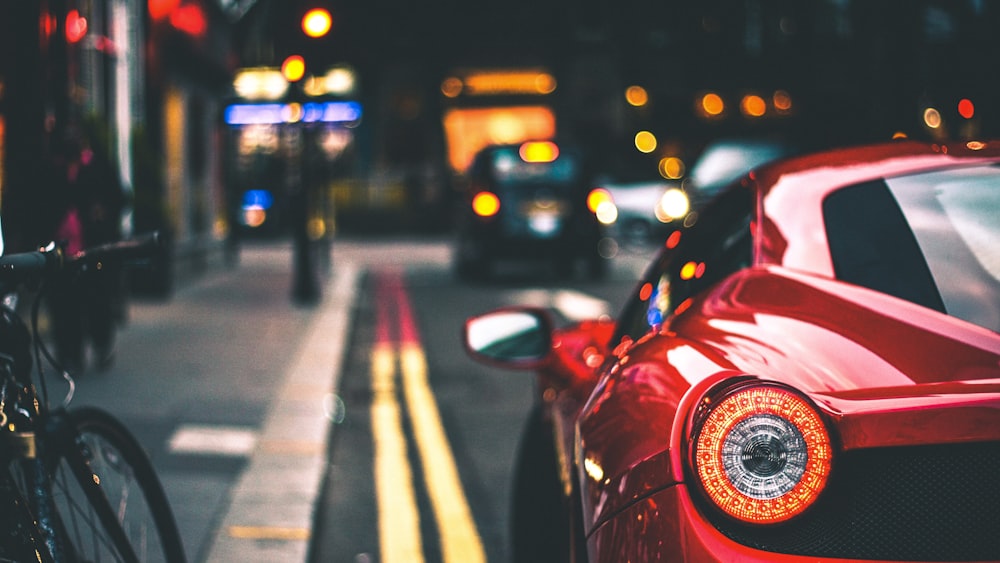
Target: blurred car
{"type": "Point", "coordinates": [811, 372]}
{"type": "Point", "coordinates": [720, 163]}
{"type": "Point", "coordinates": [649, 210]}
{"type": "Point", "coordinates": [530, 202]}
{"type": "Point", "coordinates": [641, 213]}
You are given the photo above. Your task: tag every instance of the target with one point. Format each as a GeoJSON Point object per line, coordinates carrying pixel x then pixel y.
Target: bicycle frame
{"type": "Point", "coordinates": [32, 439]}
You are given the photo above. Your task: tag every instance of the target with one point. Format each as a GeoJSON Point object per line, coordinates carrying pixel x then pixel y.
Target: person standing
{"type": "Point", "coordinates": [98, 198]}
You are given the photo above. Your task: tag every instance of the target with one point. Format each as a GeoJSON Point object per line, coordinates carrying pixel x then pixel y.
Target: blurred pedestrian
{"type": "Point", "coordinates": [86, 309]}
{"type": "Point", "coordinates": [64, 298]}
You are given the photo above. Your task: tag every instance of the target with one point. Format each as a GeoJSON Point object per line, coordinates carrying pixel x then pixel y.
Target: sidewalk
{"type": "Point", "coordinates": [271, 506]}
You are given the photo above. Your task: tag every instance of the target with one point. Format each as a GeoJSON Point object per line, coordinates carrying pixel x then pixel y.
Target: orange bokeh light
{"type": "Point", "coordinates": [486, 204]}
{"type": "Point", "coordinates": [712, 104]}
{"type": "Point", "coordinates": [753, 105]}
{"type": "Point", "coordinates": [316, 22]}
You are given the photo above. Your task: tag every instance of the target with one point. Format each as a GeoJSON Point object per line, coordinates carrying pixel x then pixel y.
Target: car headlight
{"type": "Point", "coordinates": [673, 204]}
{"type": "Point", "coordinates": [762, 454]}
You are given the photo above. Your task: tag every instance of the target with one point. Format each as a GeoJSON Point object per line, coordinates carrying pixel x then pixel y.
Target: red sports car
{"type": "Point", "coordinates": [811, 372]}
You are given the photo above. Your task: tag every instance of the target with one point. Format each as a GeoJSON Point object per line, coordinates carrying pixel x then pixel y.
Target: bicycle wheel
{"type": "Point", "coordinates": [107, 494]}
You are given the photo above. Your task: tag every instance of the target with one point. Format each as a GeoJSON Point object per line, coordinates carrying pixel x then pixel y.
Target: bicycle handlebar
{"type": "Point", "coordinates": [24, 266]}
{"type": "Point", "coordinates": [138, 247]}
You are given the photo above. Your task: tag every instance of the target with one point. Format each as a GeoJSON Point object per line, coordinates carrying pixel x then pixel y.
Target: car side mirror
{"type": "Point", "coordinates": [515, 338]}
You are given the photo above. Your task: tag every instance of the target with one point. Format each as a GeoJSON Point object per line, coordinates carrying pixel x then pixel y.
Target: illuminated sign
{"type": "Point", "coordinates": [500, 82]}
{"type": "Point", "coordinates": [470, 129]}
{"type": "Point", "coordinates": [312, 112]}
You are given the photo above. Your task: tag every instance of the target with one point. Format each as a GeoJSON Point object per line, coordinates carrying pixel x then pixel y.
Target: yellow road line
{"type": "Point", "coordinates": [398, 517]}
{"type": "Point", "coordinates": [460, 541]}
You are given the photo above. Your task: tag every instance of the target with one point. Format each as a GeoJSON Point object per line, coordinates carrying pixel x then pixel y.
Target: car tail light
{"type": "Point", "coordinates": [539, 151]}
{"type": "Point", "coordinates": [762, 454]}
{"type": "Point", "coordinates": [486, 204]}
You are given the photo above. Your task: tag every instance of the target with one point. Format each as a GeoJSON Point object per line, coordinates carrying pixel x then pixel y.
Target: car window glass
{"type": "Point", "coordinates": [928, 238]}
{"type": "Point", "coordinates": [718, 245]}
{"type": "Point", "coordinates": [955, 217]}
{"type": "Point", "coordinates": [715, 247]}
{"type": "Point", "coordinates": [510, 169]}
{"type": "Point", "coordinates": [872, 245]}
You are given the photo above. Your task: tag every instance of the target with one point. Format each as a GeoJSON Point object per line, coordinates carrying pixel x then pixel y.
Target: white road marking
{"type": "Point", "coordinates": [198, 439]}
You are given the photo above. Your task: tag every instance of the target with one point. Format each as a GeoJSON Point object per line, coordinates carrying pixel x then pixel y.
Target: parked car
{"type": "Point", "coordinates": [529, 202]}
{"type": "Point", "coordinates": [811, 372]}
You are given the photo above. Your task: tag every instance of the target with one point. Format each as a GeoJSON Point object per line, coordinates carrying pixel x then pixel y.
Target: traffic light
{"type": "Point", "coordinates": [316, 23]}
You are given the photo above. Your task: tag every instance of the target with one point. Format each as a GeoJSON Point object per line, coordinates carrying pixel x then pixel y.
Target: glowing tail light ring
{"type": "Point", "coordinates": [762, 454]}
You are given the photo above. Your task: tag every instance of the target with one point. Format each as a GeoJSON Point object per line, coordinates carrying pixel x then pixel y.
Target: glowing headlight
{"type": "Point", "coordinates": [762, 454]}
{"type": "Point", "coordinates": [673, 204]}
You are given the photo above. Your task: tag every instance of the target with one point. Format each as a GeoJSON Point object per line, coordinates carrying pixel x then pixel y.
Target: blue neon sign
{"type": "Point", "coordinates": [311, 112]}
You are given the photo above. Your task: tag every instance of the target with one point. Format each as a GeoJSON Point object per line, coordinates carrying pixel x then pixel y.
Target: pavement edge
{"type": "Point", "coordinates": [272, 504]}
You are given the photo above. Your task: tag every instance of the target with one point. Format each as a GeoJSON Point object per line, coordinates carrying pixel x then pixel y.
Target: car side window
{"type": "Point", "coordinates": [872, 245]}
{"type": "Point", "coordinates": [717, 245]}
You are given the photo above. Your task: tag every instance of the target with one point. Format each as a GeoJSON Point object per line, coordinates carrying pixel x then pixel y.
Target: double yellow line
{"type": "Point", "coordinates": [399, 519]}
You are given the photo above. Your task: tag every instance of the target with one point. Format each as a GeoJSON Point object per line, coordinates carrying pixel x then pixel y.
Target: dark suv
{"type": "Point", "coordinates": [529, 202]}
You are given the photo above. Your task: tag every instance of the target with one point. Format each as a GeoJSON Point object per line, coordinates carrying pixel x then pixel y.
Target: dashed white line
{"type": "Point", "coordinates": [198, 439]}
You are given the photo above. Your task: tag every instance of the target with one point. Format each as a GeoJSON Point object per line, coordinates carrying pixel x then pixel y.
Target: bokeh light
{"type": "Point", "coordinates": [932, 118]}
{"type": "Point", "coordinates": [316, 22]}
{"type": "Point", "coordinates": [966, 108]}
{"type": "Point", "coordinates": [712, 104]}
{"type": "Point", "coordinates": [636, 96]}
{"type": "Point", "coordinates": [782, 101]}
{"type": "Point", "coordinates": [753, 105]}
{"type": "Point", "coordinates": [671, 168]}
{"type": "Point", "coordinates": [294, 68]}
{"type": "Point", "coordinates": [645, 141]}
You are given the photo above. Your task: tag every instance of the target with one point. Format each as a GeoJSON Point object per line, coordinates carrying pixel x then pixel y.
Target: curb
{"type": "Point", "coordinates": [272, 505]}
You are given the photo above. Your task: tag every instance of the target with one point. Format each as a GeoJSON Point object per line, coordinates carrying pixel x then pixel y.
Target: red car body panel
{"type": "Point", "coordinates": [790, 224]}
{"type": "Point", "coordinates": [882, 371]}
{"type": "Point", "coordinates": [892, 383]}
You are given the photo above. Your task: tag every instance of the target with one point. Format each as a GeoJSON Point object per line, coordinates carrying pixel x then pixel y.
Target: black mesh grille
{"type": "Point", "coordinates": [933, 503]}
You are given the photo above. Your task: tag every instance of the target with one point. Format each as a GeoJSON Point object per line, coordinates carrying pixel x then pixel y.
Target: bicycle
{"type": "Point", "coordinates": [75, 484]}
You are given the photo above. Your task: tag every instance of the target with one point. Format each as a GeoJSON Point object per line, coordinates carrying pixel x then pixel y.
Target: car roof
{"type": "Point", "coordinates": [790, 192]}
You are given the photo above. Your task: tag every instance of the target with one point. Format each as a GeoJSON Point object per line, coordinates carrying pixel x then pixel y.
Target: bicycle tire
{"type": "Point", "coordinates": [105, 449]}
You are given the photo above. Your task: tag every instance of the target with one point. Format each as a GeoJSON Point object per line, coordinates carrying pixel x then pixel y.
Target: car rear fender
{"type": "Point", "coordinates": [627, 442]}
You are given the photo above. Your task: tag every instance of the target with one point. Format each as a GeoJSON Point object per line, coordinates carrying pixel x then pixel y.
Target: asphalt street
{"type": "Point", "coordinates": [232, 389]}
